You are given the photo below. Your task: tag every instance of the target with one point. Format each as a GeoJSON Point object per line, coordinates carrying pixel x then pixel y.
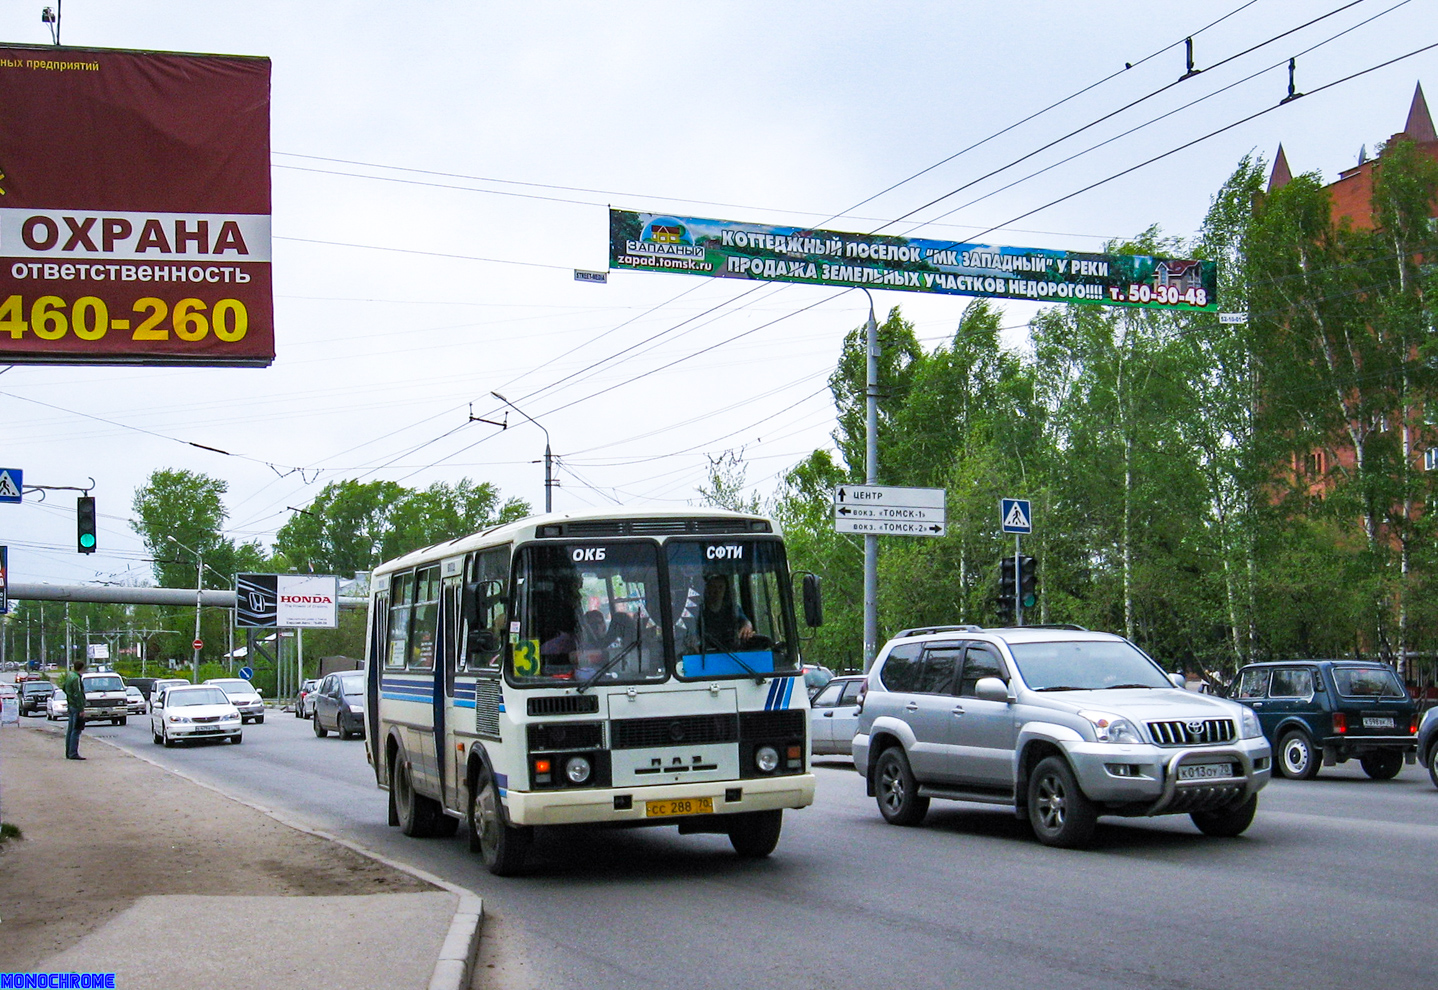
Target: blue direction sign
{"type": "Point", "coordinates": [1015, 515]}
{"type": "Point", "coordinates": [248, 673]}
{"type": "Point", "coordinates": [12, 484]}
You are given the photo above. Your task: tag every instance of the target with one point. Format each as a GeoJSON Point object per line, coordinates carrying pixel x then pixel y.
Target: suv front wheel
{"type": "Point", "coordinates": [1061, 814]}
{"type": "Point", "coordinates": [897, 791]}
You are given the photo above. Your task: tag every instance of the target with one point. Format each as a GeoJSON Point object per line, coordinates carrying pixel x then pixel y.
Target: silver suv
{"type": "Point", "coordinates": [1059, 723]}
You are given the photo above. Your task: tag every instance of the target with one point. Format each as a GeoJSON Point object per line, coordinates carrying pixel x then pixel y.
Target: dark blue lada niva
{"type": "Point", "coordinates": [1324, 712]}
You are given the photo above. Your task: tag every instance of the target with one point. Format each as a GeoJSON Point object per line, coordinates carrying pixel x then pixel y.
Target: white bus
{"type": "Point", "coordinates": [625, 667]}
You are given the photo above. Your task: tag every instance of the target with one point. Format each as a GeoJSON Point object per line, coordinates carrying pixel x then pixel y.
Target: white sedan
{"type": "Point", "coordinates": [199, 711]}
{"type": "Point", "coordinates": [56, 707]}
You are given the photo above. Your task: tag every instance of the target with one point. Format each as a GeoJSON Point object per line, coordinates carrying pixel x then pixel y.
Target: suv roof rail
{"type": "Point", "coordinates": [930, 630]}
{"type": "Point", "coordinates": [1054, 625]}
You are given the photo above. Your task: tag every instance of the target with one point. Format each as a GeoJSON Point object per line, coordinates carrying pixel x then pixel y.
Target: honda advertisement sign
{"type": "Point", "coordinates": [287, 601]}
{"type": "Point", "coordinates": [134, 208]}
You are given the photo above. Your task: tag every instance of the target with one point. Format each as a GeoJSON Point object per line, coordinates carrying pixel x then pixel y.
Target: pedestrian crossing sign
{"type": "Point", "coordinates": [1015, 515]}
{"type": "Point", "coordinates": [12, 484]}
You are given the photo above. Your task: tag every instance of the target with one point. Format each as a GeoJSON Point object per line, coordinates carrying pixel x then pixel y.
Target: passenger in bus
{"type": "Point", "coordinates": [722, 625]}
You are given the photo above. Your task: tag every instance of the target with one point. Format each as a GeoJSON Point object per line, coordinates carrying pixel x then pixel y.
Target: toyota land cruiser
{"type": "Point", "coordinates": [1059, 723]}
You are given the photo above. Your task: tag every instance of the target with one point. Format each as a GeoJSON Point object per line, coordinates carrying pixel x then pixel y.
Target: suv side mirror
{"type": "Point", "coordinates": [1178, 680]}
{"type": "Point", "coordinates": [991, 689]}
{"type": "Point", "coordinates": [813, 601]}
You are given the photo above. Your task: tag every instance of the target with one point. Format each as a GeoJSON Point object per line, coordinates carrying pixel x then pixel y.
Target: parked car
{"type": "Point", "coordinates": [1061, 725]}
{"type": "Point", "coordinates": [56, 707]}
{"type": "Point", "coordinates": [8, 692]}
{"type": "Point", "coordinates": [339, 705]}
{"type": "Point", "coordinates": [304, 701]}
{"type": "Point", "coordinates": [1428, 744]}
{"type": "Point", "coordinates": [834, 716]}
{"type": "Point", "coordinates": [1318, 713]}
{"type": "Point", "coordinates": [134, 700]}
{"type": "Point", "coordinates": [815, 677]}
{"type": "Point", "coordinates": [195, 711]}
{"type": "Point", "coordinates": [33, 695]}
{"type": "Point", "coordinates": [243, 695]}
{"type": "Point", "coordinates": [104, 698]}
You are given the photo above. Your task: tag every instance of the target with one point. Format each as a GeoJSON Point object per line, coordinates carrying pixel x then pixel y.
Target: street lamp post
{"type": "Point", "coordinates": [199, 597]}
{"type": "Point", "coordinates": [548, 458]}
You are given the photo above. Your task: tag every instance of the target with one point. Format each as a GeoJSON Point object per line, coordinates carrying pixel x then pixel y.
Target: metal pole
{"type": "Point", "coordinates": [871, 477]}
{"type": "Point", "coordinates": [1018, 583]}
{"type": "Point", "coordinates": [199, 585]}
{"type": "Point", "coordinates": [299, 660]}
{"type": "Point", "coordinates": [548, 477]}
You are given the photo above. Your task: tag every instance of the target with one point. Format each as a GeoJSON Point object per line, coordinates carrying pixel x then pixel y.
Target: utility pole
{"type": "Point", "coordinates": [871, 477]}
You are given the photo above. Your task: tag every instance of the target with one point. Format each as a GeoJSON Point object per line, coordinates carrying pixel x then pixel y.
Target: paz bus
{"type": "Point", "coordinates": [625, 667]}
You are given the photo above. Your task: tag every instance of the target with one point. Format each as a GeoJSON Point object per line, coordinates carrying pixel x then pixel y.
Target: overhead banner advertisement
{"type": "Point", "coordinates": [726, 249]}
{"type": "Point", "coordinates": [286, 601]}
{"type": "Point", "coordinates": [134, 208]}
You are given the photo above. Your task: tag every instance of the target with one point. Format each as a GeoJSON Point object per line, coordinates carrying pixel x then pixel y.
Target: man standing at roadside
{"type": "Point", "coordinates": [74, 688]}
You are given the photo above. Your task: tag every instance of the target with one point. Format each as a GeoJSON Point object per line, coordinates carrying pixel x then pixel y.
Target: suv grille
{"type": "Point", "coordinates": [1191, 732]}
{"type": "Point", "coordinates": [693, 730]}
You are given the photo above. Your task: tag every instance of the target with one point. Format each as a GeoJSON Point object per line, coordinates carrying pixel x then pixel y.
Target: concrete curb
{"type": "Point", "coordinates": [461, 946]}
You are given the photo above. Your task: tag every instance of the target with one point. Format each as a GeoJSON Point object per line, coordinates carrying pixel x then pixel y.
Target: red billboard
{"type": "Point", "coordinates": [134, 208]}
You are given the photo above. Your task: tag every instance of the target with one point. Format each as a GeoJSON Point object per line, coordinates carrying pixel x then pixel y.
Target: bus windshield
{"type": "Point", "coordinates": [587, 613]}
{"type": "Point", "coordinates": [731, 613]}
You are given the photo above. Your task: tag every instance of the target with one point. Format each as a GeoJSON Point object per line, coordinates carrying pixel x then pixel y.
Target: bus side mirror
{"type": "Point", "coordinates": [813, 601]}
{"type": "Point", "coordinates": [469, 602]}
{"type": "Point", "coordinates": [483, 641]}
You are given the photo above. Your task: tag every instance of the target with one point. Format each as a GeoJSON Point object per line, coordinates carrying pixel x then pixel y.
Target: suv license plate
{"type": "Point", "coordinates": [1205, 771]}
{"type": "Point", "coordinates": [1370, 722]}
{"type": "Point", "coordinates": [681, 806]}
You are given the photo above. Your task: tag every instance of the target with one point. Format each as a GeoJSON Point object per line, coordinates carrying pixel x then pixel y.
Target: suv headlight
{"type": "Point", "coordinates": [1111, 728]}
{"type": "Point", "coordinates": [1248, 724]}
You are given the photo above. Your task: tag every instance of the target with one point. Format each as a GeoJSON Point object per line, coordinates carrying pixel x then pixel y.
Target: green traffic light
{"type": "Point", "coordinates": [1030, 601]}
{"type": "Point", "coordinates": [87, 540]}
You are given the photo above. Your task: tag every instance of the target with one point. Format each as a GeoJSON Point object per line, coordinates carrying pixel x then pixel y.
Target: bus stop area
{"type": "Point", "coordinates": [127, 868]}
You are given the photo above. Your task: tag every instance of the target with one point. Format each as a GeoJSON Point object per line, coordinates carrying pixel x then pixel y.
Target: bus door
{"type": "Point", "coordinates": [451, 577]}
{"type": "Point", "coordinates": [374, 670]}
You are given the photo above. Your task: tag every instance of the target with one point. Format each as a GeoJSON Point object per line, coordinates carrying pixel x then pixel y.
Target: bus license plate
{"type": "Point", "coordinates": [679, 806]}
{"type": "Point", "coordinates": [1205, 771]}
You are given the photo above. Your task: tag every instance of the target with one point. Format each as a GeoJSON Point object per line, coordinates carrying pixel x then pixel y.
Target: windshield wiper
{"type": "Point", "coordinates": [758, 677]}
{"type": "Point", "coordinates": [1063, 687]}
{"type": "Point", "coordinates": [1115, 687]}
{"type": "Point", "coordinates": [608, 665]}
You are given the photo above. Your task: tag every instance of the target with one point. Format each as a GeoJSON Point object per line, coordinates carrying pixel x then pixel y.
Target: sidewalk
{"type": "Point", "coordinates": [127, 868]}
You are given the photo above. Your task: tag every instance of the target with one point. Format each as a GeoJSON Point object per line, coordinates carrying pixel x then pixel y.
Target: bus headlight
{"type": "Point", "coordinates": [766, 758]}
{"type": "Point", "coordinates": [577, 769]}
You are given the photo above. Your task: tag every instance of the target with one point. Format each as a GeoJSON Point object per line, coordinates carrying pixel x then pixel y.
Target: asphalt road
{"type": "Point", "coordinates": [1335, 885]}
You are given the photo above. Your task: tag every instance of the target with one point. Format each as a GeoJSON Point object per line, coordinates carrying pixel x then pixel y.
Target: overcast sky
{"type": "Point", "coordinates": [542, 114]}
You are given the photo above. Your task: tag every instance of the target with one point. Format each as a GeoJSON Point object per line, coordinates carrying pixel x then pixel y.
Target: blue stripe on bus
{"type": "Point", "coordinates": [463, 704]}
{"type": "Point", "coordinates": [773, 690]}
{"type": "Point", "coordinates": [788, 689]}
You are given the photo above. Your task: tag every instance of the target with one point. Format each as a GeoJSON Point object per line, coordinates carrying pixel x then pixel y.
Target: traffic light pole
{"type": "Point", "coordinates": [1018, 582]}
{"type": "Point", "coordinates": [871, 477]}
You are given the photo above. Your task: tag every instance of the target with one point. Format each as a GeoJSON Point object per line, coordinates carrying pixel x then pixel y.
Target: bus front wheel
{"type": "Point", "coordinates": [754, 834]}
{"type": "Point", "coordinates": [499, 844]}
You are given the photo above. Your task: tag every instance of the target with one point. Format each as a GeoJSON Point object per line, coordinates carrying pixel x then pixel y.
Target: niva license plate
{"type": "Point", "coordinates": [1205, 771]}
{"type": "Point", "coordinates": [1377, 722]}
{"type": "Point", "coordinates": [679, 806]}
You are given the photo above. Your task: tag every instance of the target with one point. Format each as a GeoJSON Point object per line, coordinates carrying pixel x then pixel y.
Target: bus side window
{"type": "Point", "coordinates": [401, 603]}
{"type": "Point", "coordinates": [491, 574]}
{"type": "Point", "coordinates": [424, 623]}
